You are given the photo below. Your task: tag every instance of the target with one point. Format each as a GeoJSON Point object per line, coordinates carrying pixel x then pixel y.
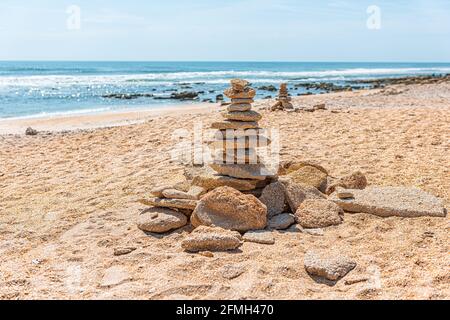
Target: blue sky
{"type": "Point", "coordinates": [243, 30]}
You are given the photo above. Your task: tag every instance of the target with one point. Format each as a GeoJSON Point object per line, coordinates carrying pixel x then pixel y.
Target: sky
{"type": "Point", "coordinates": [226, 30]}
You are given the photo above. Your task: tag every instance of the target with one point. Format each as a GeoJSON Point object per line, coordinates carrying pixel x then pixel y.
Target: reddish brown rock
{"type": "Point", "coordinates": [230, 209]}
{"type": "Point", "coordinates": [356, 180]}
{"type": "Point", "coordinates": [310, 176]}
{"type": "Point", "coordinates": [287, 167]}
{"type": "Point", "coordinates": [319, 213]}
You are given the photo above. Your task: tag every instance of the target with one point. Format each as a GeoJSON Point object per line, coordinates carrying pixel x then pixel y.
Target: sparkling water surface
{"type": "Point", "coordinates": [34, 89]}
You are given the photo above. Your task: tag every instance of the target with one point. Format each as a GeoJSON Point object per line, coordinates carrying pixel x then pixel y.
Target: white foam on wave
{"type": "Point", "coordinates": [214, 77]}
{"type": "Point", "coordinates": [58, 114]}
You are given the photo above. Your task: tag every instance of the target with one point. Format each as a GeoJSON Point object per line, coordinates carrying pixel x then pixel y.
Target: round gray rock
{"type": "Point", "coordinates": [161, 220]}
{"type": "Point", "coordinates": [281, 221]}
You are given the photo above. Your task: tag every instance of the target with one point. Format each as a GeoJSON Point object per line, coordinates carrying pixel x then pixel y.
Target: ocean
{"type": "Point", "coordinates": [36, 89]}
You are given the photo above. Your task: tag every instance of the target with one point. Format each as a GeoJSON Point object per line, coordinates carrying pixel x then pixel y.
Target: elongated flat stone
{"type": "Point", "coordinates": [248, 93]}
{"type": "Point", "coordinates": [239, 107]}
{"type": "Point", "coordinates": [243, 171]}
{"type": "Point", "coordinates": [247, 101]}
{"type": "Point", "coordinates": [234, 125]}
{"type": "Point", "coordinates": [238, 156]}
{"type": "Point", "coordinates": [214, 181]}
{"type": "Point", "coordinates": [392, 201]}
{"type": "Point", "coordinates": [259, 236]}
{"type": "Point", "coordinates": [206, 238]}
{"type": "Point", "coordinates": [243, 116]}
{"type": "Point", "coordinates": [158, 192]}
{"type": "Point", "coordinates": [242, 143]}
{"type": "Point", "coordinates": [228, 134]}
{"type": "Point", "coordinates": [170, 203]}
{"type": "Point", "coordinates": [176, 194]}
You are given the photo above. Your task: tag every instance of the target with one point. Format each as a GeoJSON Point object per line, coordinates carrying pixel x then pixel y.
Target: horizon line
{"type": "Point", "coordinates": [225, 61]}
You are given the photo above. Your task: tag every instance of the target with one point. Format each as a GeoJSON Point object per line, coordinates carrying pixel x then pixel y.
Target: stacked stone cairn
{"type": "Point", "coordinates": [237, 140]}
{"type": "Point", "coordinates": [222, 203]}
{"type": "Point", "coordinates": [283, 100]}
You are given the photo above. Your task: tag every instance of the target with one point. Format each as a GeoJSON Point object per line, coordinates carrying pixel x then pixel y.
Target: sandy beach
{"type": "Point", "coordinates": [96, 120]}
{"type": "Point", "coordinates": [69, 198]}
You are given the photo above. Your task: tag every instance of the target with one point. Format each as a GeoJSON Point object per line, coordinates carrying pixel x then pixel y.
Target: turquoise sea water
{"type": "Point", "coordinates": [33, 89]}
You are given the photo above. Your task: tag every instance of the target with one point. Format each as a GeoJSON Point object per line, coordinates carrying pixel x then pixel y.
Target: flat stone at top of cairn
{"type": "Point", "coordinates": [239, 135]}
{"type": "Point", "coordinates": [283, 100]}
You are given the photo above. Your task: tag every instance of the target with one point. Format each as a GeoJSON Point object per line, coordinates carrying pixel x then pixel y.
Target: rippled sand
{"type": "Point", "coordinates": [67, 200]}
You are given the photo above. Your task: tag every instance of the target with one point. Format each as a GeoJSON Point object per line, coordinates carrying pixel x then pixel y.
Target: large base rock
{"type": "Point", "coordinates": [392, 201]}
{"type": "Point", "coordinates": [211, 239]}
{"type": "Point", "coordinates": [230, 209]}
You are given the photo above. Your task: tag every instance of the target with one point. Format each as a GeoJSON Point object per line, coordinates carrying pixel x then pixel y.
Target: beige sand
{"type": "Point", "coordinates": [67, 200]}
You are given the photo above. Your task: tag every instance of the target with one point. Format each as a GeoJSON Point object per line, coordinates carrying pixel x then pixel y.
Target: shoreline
{"type": "Point", "coordinates": [106, 119]}
{"type": "Point", "coordinates": [123, 117]}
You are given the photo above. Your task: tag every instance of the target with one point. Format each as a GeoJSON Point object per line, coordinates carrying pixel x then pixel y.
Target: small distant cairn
{"type": "Point", "coordinates": [237, 139]}
{"type": "Point", "coordinates": [283, 100]}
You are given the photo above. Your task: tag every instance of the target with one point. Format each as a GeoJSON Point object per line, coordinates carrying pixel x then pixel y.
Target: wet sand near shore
{"type": "Point", "coordinates": [69, 199]}
{"type": "Point", "coordinates": [96, 120]}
